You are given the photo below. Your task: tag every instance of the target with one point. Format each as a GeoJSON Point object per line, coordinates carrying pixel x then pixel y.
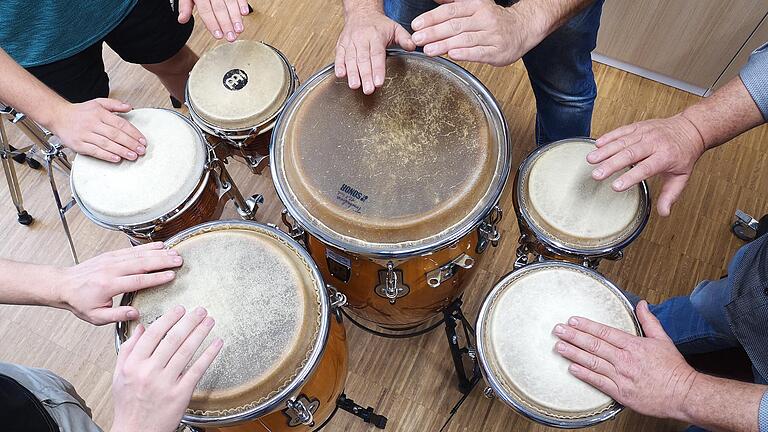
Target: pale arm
{"type": "Point", "coordinates": [90, 128]}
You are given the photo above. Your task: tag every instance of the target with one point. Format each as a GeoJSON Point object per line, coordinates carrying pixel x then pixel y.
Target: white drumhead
{"type": "Point", "coordinates": [571, 204]}
{"type": "Point", "coordinates": [520, 344]}
{"type": "Point", "coordinates": [238, 85]}
{"type": "Point", "coordinates": [135, 192]}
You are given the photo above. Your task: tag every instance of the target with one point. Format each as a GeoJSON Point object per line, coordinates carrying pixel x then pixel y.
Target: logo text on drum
{"type": "Point", "coordinates": [235, 79]}
{"type": "Point", "coordinates": [354, 192]}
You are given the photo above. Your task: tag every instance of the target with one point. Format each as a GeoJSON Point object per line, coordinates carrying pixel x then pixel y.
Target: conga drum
{"type": "Point", "coordinates": [396, 193]}
{"type": "Point", "coordinates": [171, 188]}
{"type": "Point", "coordinates": [565, 214]}
{"type": "Point", "coordinates": [235, 93]}
{"type": "Point", "coordinates": [516, 347]}
{"type": "Point", "coordinates": [284, 360]}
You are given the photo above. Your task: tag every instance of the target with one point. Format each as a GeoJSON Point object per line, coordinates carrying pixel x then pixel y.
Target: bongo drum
{"type": "Point", "coordinates": [235, 93]}
{"type": "Point", "coordinates": [565, 214]}
{"type": "Point", "coordinates": [396, 192]}
{"type": "Point", "coordinates": [284, 360]}
{"type": "Point", "coordinates": [171, 188]}
{"type": "Point", "coordinates": [515, 344]}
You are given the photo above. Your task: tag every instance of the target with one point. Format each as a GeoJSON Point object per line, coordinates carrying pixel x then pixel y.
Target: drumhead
{"type": "Point", "coordinates": [566, 205]}
{"type": "Point", "coordinates": [411, 168]}
{"type": "Point", "coordinates": [270, 308]}
{"type": "Point", "coordinates": [516, 343]}
{"type": "Point", "coordinates": [136, 192]}
{"type": "Point", "coordinates": [239, 85]}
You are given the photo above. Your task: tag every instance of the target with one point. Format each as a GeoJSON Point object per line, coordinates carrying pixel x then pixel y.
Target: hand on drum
{"type": "Point", "coordinates": [361, 49]}
{"type": "Point", "coordinates": [473, 30]}
{"type": "Point", "coordinates": [647, 374]}
{"type": "Point", "coordinates": [87, 289]}
{"type": "Point", "coordinates": [152, 385]}
{"type": "Point", "coordinates": [223, 18]}
{"type": "Point", "coordinates": [93, 128]}
{"type": "Point", "coordinates": [669, 147]}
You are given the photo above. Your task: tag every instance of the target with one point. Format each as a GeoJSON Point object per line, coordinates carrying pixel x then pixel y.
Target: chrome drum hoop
{"type": "Point", "coordinates": [236, 137]}
{"type": "Point", "coordinates": [495, 385]}
{"type": "Point", "coordinates": [526, 221]}
{"type": "Point", "coordinates": [144, 230]}
{"type": "Point", "coordinates": [277, 401]}
{"type": "Point", "coordinates": [505, 156]}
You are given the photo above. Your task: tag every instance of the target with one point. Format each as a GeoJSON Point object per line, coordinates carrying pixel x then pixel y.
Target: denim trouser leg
{"type": "Point", "coordinates": [560, 71]}
{"type": "Point", "coordinates": [404, 11]}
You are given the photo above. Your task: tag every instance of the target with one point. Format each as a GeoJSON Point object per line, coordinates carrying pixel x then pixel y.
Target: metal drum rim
{"type": "Point", "coordinates": [559, 247]}
{"type": "Point", "coordinates": [398, 252]}
{"type": "Point", "coordinates": [277, 401]}
{"type": "Point", "coordinates": [484, 360]}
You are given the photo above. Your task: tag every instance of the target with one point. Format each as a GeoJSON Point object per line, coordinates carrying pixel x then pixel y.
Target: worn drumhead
{"type": "Point", "coordinates": [568, 205]}
{"type": "Point", "coordinates": [518, 344]}
{"type": "Point", "coordinates": [408, 167]}
{"type": "Point", "coordinates": [265, 300]}
{"type": "Point", "coordinates": [238, 85]}
{"type": "Point", "coordinates": [135, 192]}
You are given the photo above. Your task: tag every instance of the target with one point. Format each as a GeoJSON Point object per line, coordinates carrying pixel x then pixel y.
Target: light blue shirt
{"type": "Point", "coordinates": [39, 32]}
{"type": "Point", "coordinates": [755, 78]}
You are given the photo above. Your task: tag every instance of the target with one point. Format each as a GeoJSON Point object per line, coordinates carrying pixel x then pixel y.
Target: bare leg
{"type": "Point", "coordinates": [174, 72]}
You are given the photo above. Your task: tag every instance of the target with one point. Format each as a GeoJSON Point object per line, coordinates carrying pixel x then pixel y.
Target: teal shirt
{"type": "Point", "coordinates": [39, 32]}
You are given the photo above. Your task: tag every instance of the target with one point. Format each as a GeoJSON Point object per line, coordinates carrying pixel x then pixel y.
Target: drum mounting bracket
{"type": "Point", "coordinates": [447, 271]}
{"type": "Point", "coordinates": [488, 232]}
{"type": "Point", "coordinates": [366, 414]}
{"type": "Point", "coordinates": [300, 411]}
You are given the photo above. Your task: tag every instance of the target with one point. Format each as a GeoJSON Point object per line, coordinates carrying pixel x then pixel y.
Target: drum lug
{"type": "Point", "coordinates": [390, 284]}
{"type": "Point", "coordinates": [488, 232]}
{"type": "Point", "coordinates": [447, 271]}
{"type": "Point", "coordinates": [489, 393]}
{"type": "Point", "coordinates": [188, 428]}
{"type": "Point", "coordinates": [300, 411]}
{"type": "Point", "coordinates": [521, 254]}
{"type": "Point", "coordinates": [252, 206]}
{"type": "Point", "coordinates": [294, 229]}
{"type": "Point", "coordinates": [338, 300]}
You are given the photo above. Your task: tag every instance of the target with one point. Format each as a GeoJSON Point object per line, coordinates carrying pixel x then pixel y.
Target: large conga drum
{"type": "Point", "coordinates": [396, 192]}
{"type": "Point", "coordinates": [565, 214]}
{"type": "Point", "coordinates": [171, 188]}
{"type": "Point", "coordinates": [235, 93]}
{"type": "Point", "coordinates": [516, 347]}
{"type": "Point", "coordinates": [284, 360]}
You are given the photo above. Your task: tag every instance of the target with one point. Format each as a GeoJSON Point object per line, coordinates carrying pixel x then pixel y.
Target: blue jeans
{"type": "Point", "coordinates": [559, 69]}
{"type": "Point", "coordinates": [698, 323]}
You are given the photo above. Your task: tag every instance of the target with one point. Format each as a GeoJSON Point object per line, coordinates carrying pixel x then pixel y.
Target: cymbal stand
{"type": "Point", "coordinates": [54, 157]}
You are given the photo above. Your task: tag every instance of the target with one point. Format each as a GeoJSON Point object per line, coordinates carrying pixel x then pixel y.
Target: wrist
{"type": "Point", "coordinates": [60, 292]}
{"type": "Point", "coordinates": [687, 406]}
{"type": "Point", "coordinates": [534, 24]}
{"type": "Point", "coordinates": [693, 131]}
{"type": "Point", "coordinates": [53, 113]}
{"type": "Point", "coordinates": [362, 9]}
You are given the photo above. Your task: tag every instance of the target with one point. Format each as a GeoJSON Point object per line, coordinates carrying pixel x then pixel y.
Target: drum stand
{"type": "Point", "coordinates": [53, 157]}
{"type": "Point", "coordinates": [366, 414]}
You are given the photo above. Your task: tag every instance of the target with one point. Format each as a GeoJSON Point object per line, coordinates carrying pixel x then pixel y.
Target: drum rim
{"type": "Point", "coordinates": [244, 133]}
{"type": "Point", "coordinates": [559, 247]}
{"type": "Point", "coordinates": [277, 400]}
{"type": "Point", "coordinates": [139, 228]}
{"type": "Point", "coordinates": [484, 360]}
{"type": "Point", "coordinates": [393, 252]}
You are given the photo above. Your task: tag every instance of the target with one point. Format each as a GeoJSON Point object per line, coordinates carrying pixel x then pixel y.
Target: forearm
{"type": "Point", "coordinates": [723, 405]}
{"type": "Point", "coordinates": [353, 6]}
{"type": "Point", "coordinates": [729, 112]}
{"type": "Point", "coordinates": [546, 16]}
{"type": "Point", "coordinates": [29, 284]}
{"type": "Point", "coordinates": [24, 92]}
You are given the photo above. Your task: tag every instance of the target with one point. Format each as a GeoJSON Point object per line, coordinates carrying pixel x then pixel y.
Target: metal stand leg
{"type": "Point", "coordinates": [366, 414]}
{"type": "Point", "coordinates": [51, 149]}
{"type": "Point", "coordinates": [6, 153]}
{"type": "Point", "coordinates": [246, 208]}
{"type": "Point", "coordinates": [453, 315]}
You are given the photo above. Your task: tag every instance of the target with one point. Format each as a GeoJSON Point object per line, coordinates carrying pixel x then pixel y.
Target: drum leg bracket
{"type": "Point", "coordinates": [366, 414]}
{"type": "Point", "coordinates": [453, 315]}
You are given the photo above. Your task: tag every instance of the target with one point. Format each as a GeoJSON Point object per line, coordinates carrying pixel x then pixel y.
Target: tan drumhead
{"type": "Point", "coordinates": [567, 203]}
{"type": "Point", "coordinates": [410, 165]}
{"type": "Point", "coordinates": [266, 305]}
{"type": "Point", "coordinates": [239, 85]}
{"type": "Point", "coordinates": [519, 343]}
{"type": "Point", "coordinates": [135, 192]}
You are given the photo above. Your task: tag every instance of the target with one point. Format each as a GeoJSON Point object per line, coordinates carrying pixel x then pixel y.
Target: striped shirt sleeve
{"type": "Point", "coordinates": [755, 78]}
{"type": "Point", "coordinates": [762, 416]}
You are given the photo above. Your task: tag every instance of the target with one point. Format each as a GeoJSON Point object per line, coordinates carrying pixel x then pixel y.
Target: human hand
{"type": "Point", "coordinates": [221, 17]}
{"type": "Point", "coordinates": [151, 385]}
{"type": "Point", "coordinates": [669, 147]}
{"type": "Point", "coordinates": [361, 50]}
{"type": "Point", "coordinates": [647, 374]}
{"type": "Point", "coordinates": [92, 128]}
{"type": "Point", "coordinates": [87, 289]}
{"type": "Point", "coordinates": [473, 30]}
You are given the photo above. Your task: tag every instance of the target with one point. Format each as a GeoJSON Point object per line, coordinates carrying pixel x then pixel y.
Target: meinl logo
{"type": "Point", "coordinates": [235, 79]}
{"type": "Point", "coordinates": [354, 192]}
